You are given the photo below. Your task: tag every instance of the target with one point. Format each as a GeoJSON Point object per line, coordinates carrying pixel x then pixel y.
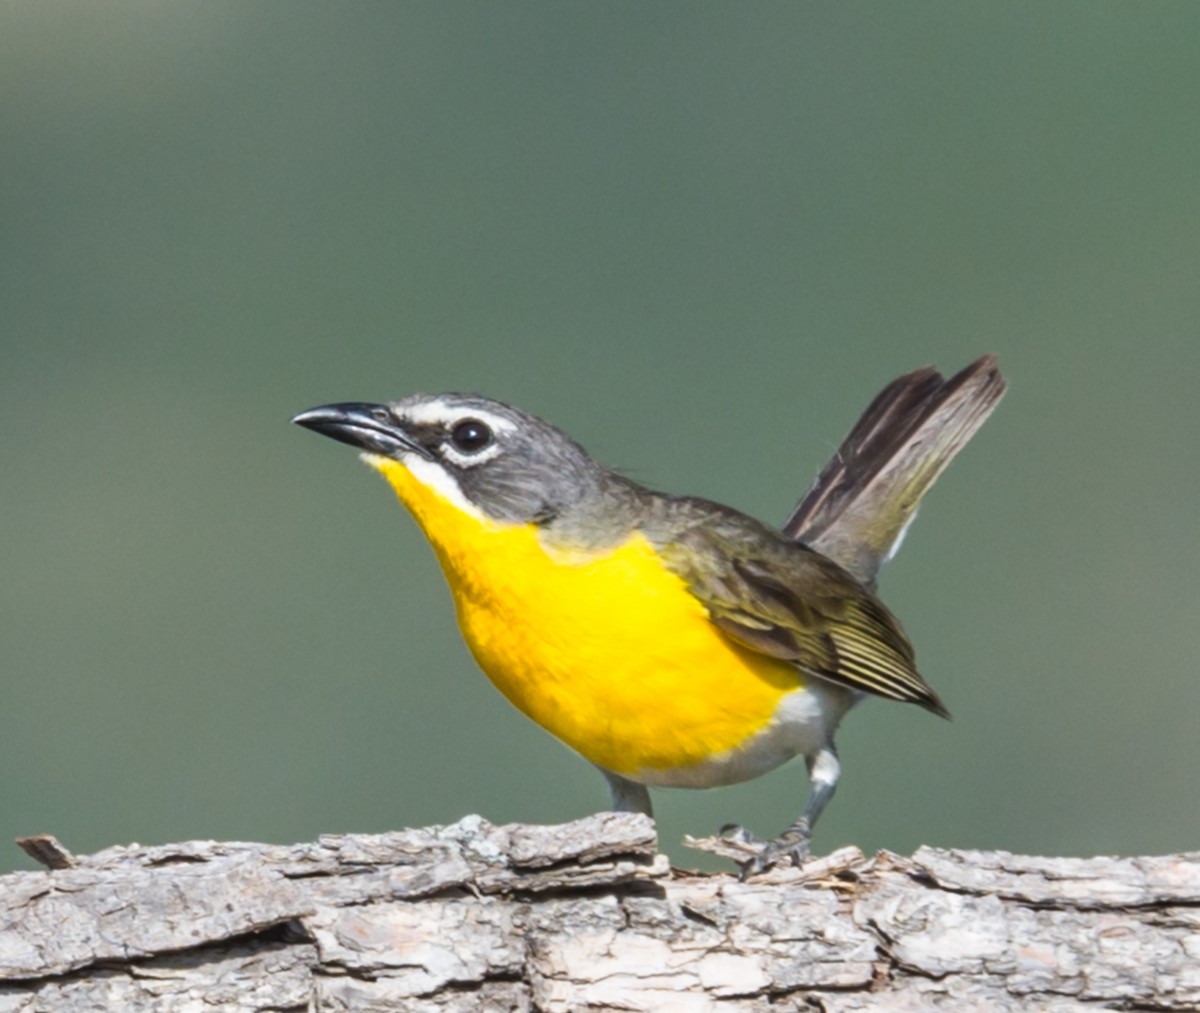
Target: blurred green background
{"type": "Point", "coordinates": [697, 236]}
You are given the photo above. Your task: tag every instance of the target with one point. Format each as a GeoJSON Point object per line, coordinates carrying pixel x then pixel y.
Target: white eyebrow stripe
{"type": "Point", "coordinates": [440, 412]}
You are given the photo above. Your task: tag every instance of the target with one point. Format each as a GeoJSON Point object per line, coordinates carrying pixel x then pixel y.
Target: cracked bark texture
{"type": "Point", "coordinates": [588, 917]}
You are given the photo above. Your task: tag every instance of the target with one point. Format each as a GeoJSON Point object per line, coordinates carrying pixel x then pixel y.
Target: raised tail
{"type": "Point", "coordinates": [862, 502]}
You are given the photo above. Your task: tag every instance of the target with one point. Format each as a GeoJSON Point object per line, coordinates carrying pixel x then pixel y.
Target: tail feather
{"type": "Point", "coordinates": [863, 500]}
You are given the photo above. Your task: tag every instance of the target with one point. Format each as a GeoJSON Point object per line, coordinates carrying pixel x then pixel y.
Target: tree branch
{"type": "Point", "coordinates": [588, 917]}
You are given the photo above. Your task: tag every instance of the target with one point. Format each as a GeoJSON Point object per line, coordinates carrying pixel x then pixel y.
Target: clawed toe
{"type": "Point", "coordinates": [735, 833]}
{"type": "Point", "coordinates": [789, 848]}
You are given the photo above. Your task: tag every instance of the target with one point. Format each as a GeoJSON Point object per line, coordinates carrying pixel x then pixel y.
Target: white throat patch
{"type": "Point", "coordinates": [433, 476]}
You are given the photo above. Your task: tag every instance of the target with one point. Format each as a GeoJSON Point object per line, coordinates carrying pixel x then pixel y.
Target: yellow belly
{"type": "Point", "coordinates": [608, 652]}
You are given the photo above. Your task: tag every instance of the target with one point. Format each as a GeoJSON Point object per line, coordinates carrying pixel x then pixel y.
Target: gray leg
{"type": "Point", "coordinates": [627, 796]}
{"type": "Point", "coordinates": [823, 773]}
{"type": "Point", "coordinates": [792, 845]}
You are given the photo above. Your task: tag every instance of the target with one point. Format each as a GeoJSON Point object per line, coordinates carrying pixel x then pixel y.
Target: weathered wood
{"type": "Point", "coordinates": [588, 917]}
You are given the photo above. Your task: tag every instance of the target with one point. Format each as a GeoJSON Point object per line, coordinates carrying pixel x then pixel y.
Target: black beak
{"type": "Point", "coordinates": [370, 427]}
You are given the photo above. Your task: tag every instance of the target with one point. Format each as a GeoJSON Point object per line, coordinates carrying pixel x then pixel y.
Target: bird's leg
{"type": "Point", "coordinates": [627, 796]}
{"type": "Point", "coordinates": [792, 845]}
{"type": "Point", "coordinates": [823, 773]}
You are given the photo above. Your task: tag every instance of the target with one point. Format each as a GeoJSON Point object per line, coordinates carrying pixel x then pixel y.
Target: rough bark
{"type": "Point", "coordinates": [585, 917]}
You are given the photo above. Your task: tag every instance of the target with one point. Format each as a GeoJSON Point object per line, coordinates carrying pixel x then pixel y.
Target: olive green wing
{"type": "Point", "coordinates": [786, 601]}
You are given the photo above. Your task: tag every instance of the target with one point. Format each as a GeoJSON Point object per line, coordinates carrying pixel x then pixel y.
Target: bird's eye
{"type": "Point", "coordinates": [470, 436]}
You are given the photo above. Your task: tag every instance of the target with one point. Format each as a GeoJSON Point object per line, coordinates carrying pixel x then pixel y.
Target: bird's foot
{"type": "Point", "coordinates": [753, 855]}
{"type": "Point", "coordinates": [757, 855]}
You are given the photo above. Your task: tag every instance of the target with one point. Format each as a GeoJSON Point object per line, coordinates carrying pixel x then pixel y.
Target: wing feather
{"type": "Point", "coordinates": [786, 601]}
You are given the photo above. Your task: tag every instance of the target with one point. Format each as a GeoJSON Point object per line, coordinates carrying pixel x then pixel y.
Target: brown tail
{"type": "Point", "coordinates": [857, 510]}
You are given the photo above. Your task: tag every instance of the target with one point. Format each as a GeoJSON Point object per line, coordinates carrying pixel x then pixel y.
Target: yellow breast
{"type": "Point", "coordinates": [607, 651]}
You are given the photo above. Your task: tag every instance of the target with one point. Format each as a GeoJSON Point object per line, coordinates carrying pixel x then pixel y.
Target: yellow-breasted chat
{"type": "Point", "coordinates": [670, 640]}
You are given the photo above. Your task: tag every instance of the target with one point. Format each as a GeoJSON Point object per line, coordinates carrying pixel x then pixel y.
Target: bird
{"type": "Point", "coordinates": [673, 641]}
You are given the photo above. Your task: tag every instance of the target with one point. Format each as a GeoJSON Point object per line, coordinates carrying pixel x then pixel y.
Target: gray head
{"type": "Point", "coordinates": [505, 463]}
